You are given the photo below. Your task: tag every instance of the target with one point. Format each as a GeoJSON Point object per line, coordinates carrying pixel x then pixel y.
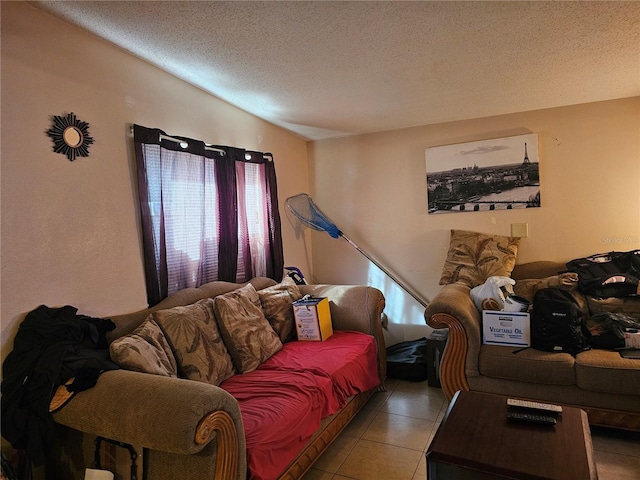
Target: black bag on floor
{"type": "Point", "coordinates": [408, 360]}
{"type": "Point", "coordinates": [557, 323]}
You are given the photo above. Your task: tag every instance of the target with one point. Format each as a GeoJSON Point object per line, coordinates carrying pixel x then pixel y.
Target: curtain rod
{"type": "Point", "coordinates": [206, 147]}
{"type": "Point", "coordinates": [266, 156]}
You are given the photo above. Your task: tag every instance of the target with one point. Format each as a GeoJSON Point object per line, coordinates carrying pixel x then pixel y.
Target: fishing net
{"type": "Point", "coordinates": [305, 210]}
{"type": "Point", "coordinates": [308, 213]}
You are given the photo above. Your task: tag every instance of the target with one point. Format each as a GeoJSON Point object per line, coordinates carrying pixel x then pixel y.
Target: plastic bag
{"type": "Point", "coordinates": [492, 293]}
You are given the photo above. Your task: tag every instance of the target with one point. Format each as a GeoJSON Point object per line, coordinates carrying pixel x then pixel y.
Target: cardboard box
{"type": "Point", "coordinates": [506, 328]}
{"type": "Point", "coordinates": [313, 319]}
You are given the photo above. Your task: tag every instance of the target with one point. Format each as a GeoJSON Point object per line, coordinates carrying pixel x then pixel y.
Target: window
{"type": "Point", "coordinates": [208, 213]}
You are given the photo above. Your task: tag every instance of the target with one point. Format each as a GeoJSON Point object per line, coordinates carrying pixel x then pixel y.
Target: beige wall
{"type": "Point", "coordinates": [70, 230]}
{"type": "Point", "coordinates": [373, 187]}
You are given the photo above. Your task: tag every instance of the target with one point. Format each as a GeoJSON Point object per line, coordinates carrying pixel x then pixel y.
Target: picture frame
{"type": "Point", "coordinates": [486, 175]}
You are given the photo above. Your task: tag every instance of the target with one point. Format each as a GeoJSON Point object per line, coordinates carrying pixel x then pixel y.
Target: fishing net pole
{"type": "Point", "coordinates": [308, 213]}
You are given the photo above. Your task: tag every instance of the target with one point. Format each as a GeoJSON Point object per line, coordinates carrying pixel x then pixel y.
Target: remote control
{"type": "Point", "coordinates": [531, 418]}
{"type": "Point", "coordinates": [546, 407]}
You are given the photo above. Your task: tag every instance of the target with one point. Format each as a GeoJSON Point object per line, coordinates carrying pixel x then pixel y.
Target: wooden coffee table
{"type": "Point", "coordinates": [476, 441]}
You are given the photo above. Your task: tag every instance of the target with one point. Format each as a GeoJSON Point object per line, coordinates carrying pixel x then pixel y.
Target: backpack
{"type": "Point", "coordinates": [557, 322]}
{"type": "Point", "coordinates": [613, 274]}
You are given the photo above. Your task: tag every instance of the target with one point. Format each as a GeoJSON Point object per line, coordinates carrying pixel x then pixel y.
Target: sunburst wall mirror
{"type": "Point", "coordinates": [70, 136]}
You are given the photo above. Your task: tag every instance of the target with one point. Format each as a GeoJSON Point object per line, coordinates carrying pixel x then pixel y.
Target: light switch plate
{"type": "Point", "coordinates": [520, 230]}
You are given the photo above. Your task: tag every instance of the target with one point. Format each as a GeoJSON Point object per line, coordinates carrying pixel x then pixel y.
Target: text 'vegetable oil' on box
{"type": "Point", "coordinates": [506, 328]}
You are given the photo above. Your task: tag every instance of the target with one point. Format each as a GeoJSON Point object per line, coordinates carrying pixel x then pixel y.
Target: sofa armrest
{"type": "Point", "coordinates": [358, 308]}
{"type": "Point", "coordinates": [161, 413]}
{"type": "Point", "coordinates": [454, 309]}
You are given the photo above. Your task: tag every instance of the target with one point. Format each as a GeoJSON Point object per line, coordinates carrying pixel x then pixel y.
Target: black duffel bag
{"type": "Point", "coordinates": [408, 360]}
{"type": "Point", "coordinates": [613, 274]}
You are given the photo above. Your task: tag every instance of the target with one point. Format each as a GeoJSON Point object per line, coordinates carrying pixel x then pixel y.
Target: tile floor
{"type": "Point", "coordinates": [389, 437]}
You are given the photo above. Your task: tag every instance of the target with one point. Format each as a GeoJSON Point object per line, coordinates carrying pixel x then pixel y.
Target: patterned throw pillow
{"type": "Point", "coordinates": [276, 304]}
{"type": "Point", "coordinates": [246, 332]}
{"type": "Point", "coordinates": [195, 339]}
{"type": "Point", "coordinates": [473, 257]}
{"type": "Point", "coordinates": [145, 350]}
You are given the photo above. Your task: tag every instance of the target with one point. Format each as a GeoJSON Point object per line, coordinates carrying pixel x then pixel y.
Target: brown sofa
{"type": "Point", "coordinates": [600, 382]}
{"type": "Point", "coordinates": [189, 429]}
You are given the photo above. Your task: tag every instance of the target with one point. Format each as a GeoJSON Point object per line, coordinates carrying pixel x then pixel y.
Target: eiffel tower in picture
{"type": "Point", "coordinates": [526, 157]}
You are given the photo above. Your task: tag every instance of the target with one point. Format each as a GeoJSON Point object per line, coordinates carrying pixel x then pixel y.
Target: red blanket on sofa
{"type": "Point", "coordinates": [283, 402]}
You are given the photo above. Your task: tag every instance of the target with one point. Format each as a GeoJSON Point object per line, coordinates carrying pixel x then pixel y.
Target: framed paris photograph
{"type": "Point", "coordinates": [496, 174]}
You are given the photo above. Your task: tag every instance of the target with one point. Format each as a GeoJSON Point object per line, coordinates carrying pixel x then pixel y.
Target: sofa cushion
{"type": "Point", "coordinates": [529, 365]}
{"type": "Point", "coordinates": [473, 257]}
{"type": "Point", "coordinates": [281, 409]}
{"type": "Point", "coordinates": [145, 350]}
{"type": "Point", "coordinates": [284, 400]}
{"type": "Point", "coordinates": [244, 328]}
{"type": "Point", "coordinates": [195, 340]}
{"type": "Point", "coordinates": [276, 305]}
{"type": "Point", "coordinates": [606, 371]}
{"type": "Point", "coordinates": [349, 358]}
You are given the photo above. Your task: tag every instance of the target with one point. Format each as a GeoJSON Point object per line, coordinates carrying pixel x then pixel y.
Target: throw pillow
{"type": "Point", "coordinates": [145, 350]}
{"type": "Point", "coordinates": [473, 257]}
{"type": "Point", "coordinates": [276, 305]}
{"type": "Point", "coordinates": [195, 339]}
{"type": "Point", "coordinates": [245, 330]}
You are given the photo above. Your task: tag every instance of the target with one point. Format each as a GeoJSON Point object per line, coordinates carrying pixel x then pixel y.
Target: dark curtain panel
{"type": "Point", "coordinates": [275, 261]}
{"type": "Point", "coordinates": [208, 213]}
{"type": "Point", "coordinates": [228, 213]}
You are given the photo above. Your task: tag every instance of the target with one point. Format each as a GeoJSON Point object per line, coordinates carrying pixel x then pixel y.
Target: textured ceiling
{"type": "Point", "coordinates": [325, 69]}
